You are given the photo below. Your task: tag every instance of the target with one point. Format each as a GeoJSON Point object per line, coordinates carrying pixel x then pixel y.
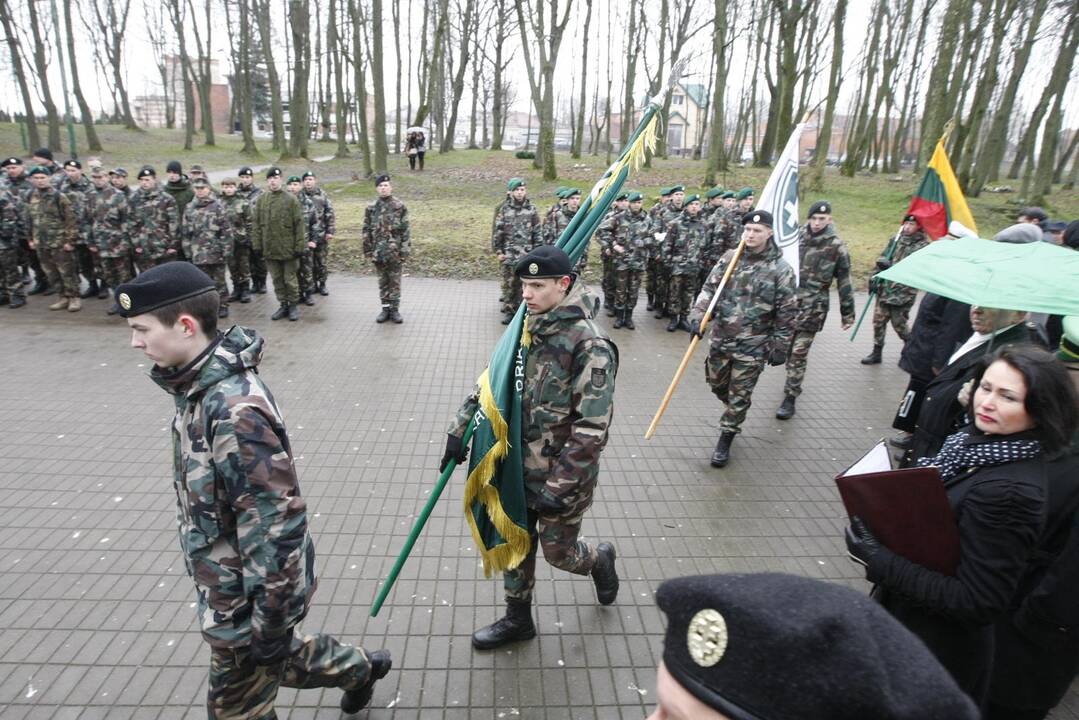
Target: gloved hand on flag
{"type": "Point", "coordinates": [455, 450]}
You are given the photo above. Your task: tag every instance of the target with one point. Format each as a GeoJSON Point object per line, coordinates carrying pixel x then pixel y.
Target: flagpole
{"type": "Point", "coordinates": [696, 339]}
{"type": "Point", "coordinates": [889, 253]}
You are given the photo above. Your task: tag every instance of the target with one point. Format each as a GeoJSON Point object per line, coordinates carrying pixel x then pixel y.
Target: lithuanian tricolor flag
{"type": "Point", "coordinates": [938, 199]}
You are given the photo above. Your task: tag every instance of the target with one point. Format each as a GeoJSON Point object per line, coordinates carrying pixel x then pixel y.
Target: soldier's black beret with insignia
{"type": "Point", "coordinates": [38, 170]}
{"type": "Point", "coordinates": [146, 171]}
{"type": "Point", "coordinates": [73, 164]}
{"type": "Point", "coordinates": [245, 170]}
{"type": "Point", "coordinates": [910, 218]}
{"type": "Point", "coordinates": [757, 217]}
{"type": "Point", "coordinates": [514, 183]}
{"type": "Point", "coordinates": [379, 179]}
{"type": "Point", "coordinates": [11, 161]}
{"type": "Point", "coordinates": [200, 182]}
{"type": "Point", "coordinates": [821, 207]}
{"type": "Point", "coordinates": [771, 646]}
{"type": "Point", "coordinates": [714, 193]}
{"type": "Point", "coordinates": [118, 171]}
{"type": "Point", "coordinates": [307, 174]}
{"type": "Point", "coordinates": [678, 188]}
{"type": "Point", "coordinates": [293, 179]}
{"type": "Point", "coordinates": [273, 172]}
{"type": "Point", "coordinates": [160, 286]}
{"type": "Point", "coordinates": [174, 166]}
{"type": "Point", "coordinates": [546, 261]}
{"type": "Point", "coordinates": [691, 198]}
{"type": "Point", "coordinates": [634, 197]}
{"type": "Point", "coordinates": [744, 193]}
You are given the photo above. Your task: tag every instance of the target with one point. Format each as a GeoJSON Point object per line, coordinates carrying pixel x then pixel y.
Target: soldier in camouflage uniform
{"type": "Point", "coordinates": [822, 257]}
{"type": "Point", "coordinates": [682, 258]}
{"type": "Point", "coordinates": [664, 216]}
{"type": "Point", "coordinates": [250, 192]}
{"type": "Point", "coordinates": [656, 294]}
{"type": "Point", "coordinates": [118, 179]}
{"type": "Point", "coordinates": [568, 395]}
{"type": "Point", "coordinates": [515, 233]}
{"type": "Point", "coordinates": [153, 222]}
{"type": "Point", "coordinates": [108, 236]}
{"type": "Point", "coordinates": [78, 187]}
{"type": "Point", "coordinates": [560, 202]}
{"type": "Point", "coordinates": [752, 325]}
{"type": "Point", "coordinates": [743, 203]}
{"type": "Point", "coordinates": [53, 233]}
{"type": "Point", "coordinates": [713, 201]}
{"type": "Point", "coordinates": [721, 235]}
{"type": "Point", "coordinates": [242, 520]}
{"type": "Point", "coordinates": [560, 221]}
{"type": "Point", "coordinates": [607, 281]}
{"type": "Point", "coordinates": [206, 233]}
{"type": "Point", "coordinates": [327, 219]}
{"type": "Point", "coordinates": [387, 241]}
{"type": "Point", "coordinates": [894, 300]}
{"type": "Point", "coordinates": [628, 235]}
{"type": "Point", "coordinates": [17, 181]}
{"type": "Point", "coordinates": [279, 235]}
{"type": "Point", "coordinates": [11, 229]}
{"type": "Point", "coordinates": [312, 229]}
{"type": "Point", "coordinates": [239, 212]}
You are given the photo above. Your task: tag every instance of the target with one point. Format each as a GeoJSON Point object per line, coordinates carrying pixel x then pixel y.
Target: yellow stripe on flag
{"type": "Point", "coordinates": [957, 204]}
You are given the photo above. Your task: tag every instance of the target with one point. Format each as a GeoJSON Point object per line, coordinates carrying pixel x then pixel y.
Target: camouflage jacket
{"type": "Point", "coordinates": [182, 193]}
{"type": "Point", "coordinates": [633, 233]}
{"type": "Point", "coordinates": [757, 310]}
{"type": "Point", "coordinates": [516, 230]}
{"type": "Point", "coordinates": [51, 217]}
{"type": "Point", "coordinates": [386, 234]}
{"type": "Point", "coordinates": [567, 403]}
{"type": "Point", "coordinates": [108, 217]}
{"type": "Point", "coordinates": [153, 222]}
{"type": "Point", "coordinates": [277, 225]}
{"type": "Point", "coordinates": [893, 293]}
{"type": "Point", "coordinates": [250, 194]}
{"type": "Point", "coordinates": [721, 235]}
{"type": "Point", "coordinates": [11, 220]}
{"type": "Point", "coordinates": [80, 193]}
{"type": "Point", "coordinates": [821, 258]}
{"type": "Point", "coordinates": [239, 212]}
{"type": "Point", "coordinates": [327, 218]}
{"type": "Point", "coordinates": [683, 244]}
{"type": "Point", "coordinates": [556, 223]}
{"type": "Point", "coordinates": [242, 521]}
{"type": "Point", "coordinates": [312, 223]}
{"type": "Point", "coordinates": [206, 232]}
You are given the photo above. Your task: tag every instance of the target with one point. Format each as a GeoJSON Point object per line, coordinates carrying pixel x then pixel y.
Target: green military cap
{"type": "Point", "coordinates": [38, 170]}
{"type": "Point", "coordinates": [515, 183]}
{"type": "Point", "coordinates": [677, 188]}
{"type": "Point", "coordinates": [744, 193]}
{"type": "Point", "coordinates": [727, 195]}
{"type": "Point", "coordinates": [571, 192]}
{"type": "Point", "coordinates": [634, 197]}
{"type": "Point", "coordinates": [294, 178]}
{"type": "Point", "coordinates": [665, 191]}
{"type": "Point", "coordinates": [691, 198]}
{"type": "Point", "coordinates": [714, 192]}
{"type": "Point", "coordinates": [622, 196]}
{"type": "Point", "coordinates": [562, 193]}
{"type": "Point", "coordinates": [560, 189]}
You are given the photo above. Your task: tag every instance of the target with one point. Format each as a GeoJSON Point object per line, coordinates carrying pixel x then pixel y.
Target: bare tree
{"type": "Point", "coordinates": [815, 180]}
{"type": "Point", "coordinates": [200, 70]}
{"type": "Point", "coordinates": [40, 32]}
{"type": "Point", "coordinates": [177, 14]}
{"type": "Point", "coordinates": [503, 26]}
{"type": "Point", "coordinates": [335, 45]}
{"type": "Point", "coordinates": [938, 112]}
{"type": "Point", "coordinates": [1058, 83]}
{"type": "Point", "coordinates": [15, 52]}
{"type": "Point", "coordinates": [111, 21]}
{"type": "Point", "coordinates": [717, 156]}
{"type": "Point", "coordinates": [578, 136]}
{"type": "Point", "coordinates": [299, 112]}
{"type": "Point", "coordinates": [634, 31]}
{"type": "Point", "coordinates": [379, 129]}
{"type": "Point", "coordinates": [361, 50]}
{"type": "Point", "coordinates": [154, 16]}
{"type": "Point", "coordinates": [395, 10]}
{"type": "Point", "coordinates": [457, 87]}
{"type": "Point", "coordinates": [93, 143]}
{"type": "Point", "coordinates": [277, 113]}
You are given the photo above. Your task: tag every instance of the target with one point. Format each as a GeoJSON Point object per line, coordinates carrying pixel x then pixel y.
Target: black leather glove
{"type": "Point", "coordinates": [883, 264]}
{"type": "Point", "coordinates": [548, 504]}
{"type": "Point", "coordinates": [862, 544]}
{"type": "Point", "coordinates": [271, 651]}
{"type": "Point", "coordinates": [695, 327]}
{"type": "Point", "coordinates": [297, 255]}
{"type": "Point", "coordinates": [455, 450]}
{"type": "Point", "coordinates": [874, 284]}
{"type": "Point", "coordinates": [777, 357]}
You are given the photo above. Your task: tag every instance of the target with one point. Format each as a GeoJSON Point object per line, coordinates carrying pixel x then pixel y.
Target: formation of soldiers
{"type": "Point", "coordinates": [59, 225]}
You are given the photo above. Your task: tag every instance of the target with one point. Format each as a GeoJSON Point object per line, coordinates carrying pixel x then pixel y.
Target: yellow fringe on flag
{"type": "Point", "coordinates": [634, 156]}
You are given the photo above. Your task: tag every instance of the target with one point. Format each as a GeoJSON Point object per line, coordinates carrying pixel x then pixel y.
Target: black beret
{"type": "Point", "coordinates": [546, 261]}
{"type": "Point", "coordinates": [43, 153]}
{"type": "Point", "coordinates": [771, 646]}
{"type": "Point", "coordinates": [11, 161]}
{"type": "Point", "coordinates": [73, 164]}
{"type": "Point", "coordinates": [307, 174]}
{"type": "Point", "coordinates": [379, 179]}
{"type": "Point", "coordinates": [911, 218]}
{"type": "Point", "coordinates": [160, 286]}
{"type": "Point", "coordinates": [1035, 213]}
{"type": "Point", "coordinates": [174, 166]}
{"type": "Point", "coordinates": [245, 170]}
{"type": "Point", "coordinates": [821, 207]}
{"type": "Point", "coordinates": [146, 171]}
{"type": "Point", "coordinates": [757, 217]}
{"type": "Point", "coordinates": [273, 172]}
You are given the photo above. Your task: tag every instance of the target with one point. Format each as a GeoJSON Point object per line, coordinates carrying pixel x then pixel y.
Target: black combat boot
{"type": "Point", "coordinates": [604, 574]}
{"type": "Point", "coordinates": [322, 289]}
{"type": "Point", "coordinates": [260, 287]}
{"type": "Point", "coordinates": [90, 291]}
{"type": "Point", "coordinates": [786, 408]}
{"type": "Point", "coordinates": [873, 358]}
{"type": "Point", "coordinates": [223, 312]}
{"type": "Point", "coordinates": [384, 315]}
{"type": "Point", "coordinates": [683, 324]}
{"type": "Point", "coordinates": [17, 301]}
{"type": "Point", "coordinates": [307, 299]}
{"type": "Point", "coordinates": [355, 700]}
{"type": "Point", "coordinates": [395, 317]}
{"type": "Point", "coordinates": [619, 317]}
{"type": "Point", "coordinates": [280, 312]}
{"type": "Point", "coordinates": [627, 320]}
{"type": "Point", "coordinates": [4, 298]}
{"type": "Point", "coordinates": [41, 286]}
{"type": "Point", "coordinates": [293, 312]}
{"type": "Point", "coordinates": [237, 291]}
{"type": "Point", "coordinates": [245, 292]}
{"type": "Point", "coordinates": [611, 309]}
{"type": "Point", "coordinates": [650, 306]}
{"type": "Point", "coordinates": [660, 312]}
{"type": "Point", "coordinates": [516, 625]}
{"type": "Point", "coordinates": [102, 290]}
{"type": "Point", "coordinates": [722, 454]}
{"type": "Point", "coordinates": [673, 324]}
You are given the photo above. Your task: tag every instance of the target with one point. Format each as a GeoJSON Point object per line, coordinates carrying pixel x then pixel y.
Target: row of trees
{"type": "Point", "coordinates": [765, 65]}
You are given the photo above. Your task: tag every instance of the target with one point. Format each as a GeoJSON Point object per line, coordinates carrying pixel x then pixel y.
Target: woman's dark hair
{"type": "Point", "coordinates": [1051, 401]}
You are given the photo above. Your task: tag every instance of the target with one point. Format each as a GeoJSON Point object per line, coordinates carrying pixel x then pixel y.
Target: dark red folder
{"type": "Point", "coordinates": [906, 509]}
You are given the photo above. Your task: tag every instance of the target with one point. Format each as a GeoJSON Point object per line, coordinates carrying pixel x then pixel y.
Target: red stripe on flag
{"type": "Point", "coordinates": [932, 216]}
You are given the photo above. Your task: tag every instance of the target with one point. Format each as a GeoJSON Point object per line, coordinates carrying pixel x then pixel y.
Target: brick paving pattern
{"type": "Point", "coordinates": [96, 612]}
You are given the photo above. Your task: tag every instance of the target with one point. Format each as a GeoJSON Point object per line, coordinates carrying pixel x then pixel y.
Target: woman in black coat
{"type": "Point", "coordinates": [994, 474]}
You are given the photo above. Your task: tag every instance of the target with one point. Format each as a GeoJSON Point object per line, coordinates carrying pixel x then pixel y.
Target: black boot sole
{"type": "Point", "coordinates": [494, 645]}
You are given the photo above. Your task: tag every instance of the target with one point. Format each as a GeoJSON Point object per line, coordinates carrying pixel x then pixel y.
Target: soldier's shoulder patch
{"type": "Point", "coordinates": [599, 377]}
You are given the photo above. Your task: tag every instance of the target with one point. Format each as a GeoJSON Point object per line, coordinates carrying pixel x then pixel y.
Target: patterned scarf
{"type": "Point", "coordinates": [967, 449]}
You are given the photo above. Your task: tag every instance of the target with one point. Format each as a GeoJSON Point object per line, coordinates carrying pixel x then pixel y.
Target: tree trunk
{"type": "Point", "coordinates": [1058, 82]}
{"type": "Point", "coordinates": [578, 137]}
{"type": "Point", "coordinates": [900, 145]}
{"type": "Point", "coordinates": [379, 87]}
{"type": "Point", "coordinates": [247, 116]}
{"type": "Point", "coordinates": [359, 39]}
{"type": "Point", "coordinates": [458, 81]}
{"type": "Point", "coordinates": [202, 61]}
{"type": "Point", "coordinates": [113, 26]}
{"type": "Point", "coordinates": [815, 179]}
{"type": "Point", "coordinates": [15, 51]}
{"type": "Point", "coordinates": [395, 10]}
{"type": "Point", "coordinates": [42, 67]}
{"type": "Point", "coordinates": [93, 143]}
{"type": "Point", "coordinates": [277, 113]}
{"type": "Point", "coordinates": [177, 15]}
{"type": "Point", "coordinates": [477, 67]}
{"type": "Point", "coordinates": [937, 113]}
{"type": "Point", "coordinates": [1066, 157]}
{"type": "Point", "coordinates": [859, 136]}
{"type": "Point", "coordinates": [655, 83]}
{"type": "Point", "coordinates": [299, 17]}
{"type": "Point", "coordinates": [633, 51]}
{"type": "Point", "coordinates": [336, 47]}
{"type": "Point", "coordinates": [497, 107]}
{"type": "Point", "coordinates": [717, 156]}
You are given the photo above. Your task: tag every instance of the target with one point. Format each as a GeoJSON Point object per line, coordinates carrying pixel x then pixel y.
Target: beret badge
{"type": "Point", "coordinates": [707, 637]}
{"type": "Point", "coordinates": [533, 268]}
{"type": "Point", "coordinates": [125, 301]}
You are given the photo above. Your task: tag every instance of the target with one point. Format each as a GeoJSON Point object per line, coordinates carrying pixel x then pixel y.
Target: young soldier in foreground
{"type": "Point", "coordinates": [243, 523]}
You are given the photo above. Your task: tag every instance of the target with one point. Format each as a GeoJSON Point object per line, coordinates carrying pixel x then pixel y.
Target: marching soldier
{"type": "Point", "coordinates": [312, 229]}
{"type": "Point", "coordinates": [239, 213]}
{"type": "Point", "coordinates": [560, 202]}
{"type": "Point", "coordinates": [387, 241]}
{"type": "Point", "coordinates": [250, 192]}
{"type": "Point", "coordinates": [278, 234]}
{"type": "Point", "coordinates": [153, 222]}
{"type": "Point", "coordinates": [894, 300]}
{"type": "Point", "coordinates": [569, 379]}
{"type": "Point", "coordinates": [207, 239]}
{"type": "Point", "coordinates": [242, 519]}
{"type": "Point", "coordinates": [108, 234]}
{"type": "Point", "coordinates": [682, 258]}
{"type": "Point", "coordinates": [53, 232]}
{"type": "Point", "coordinates": [178, 186]}
{"type": "Point", "coordinates": [628, 236]}
{"type": "Point", "coordinates": [327, 220]}
{"type": "Point", "coordinates": [607, 282]}
{"type": "Point", "coordinates": [11, 230]}
{"type": "Point", "coordinates": [822, 257]}
{"type": "Point", "coordinates": [752, 325]}
{"type": "Point", "coordinates": [516, 232]}
{"type": "Point", "coordinates": [664, 215]}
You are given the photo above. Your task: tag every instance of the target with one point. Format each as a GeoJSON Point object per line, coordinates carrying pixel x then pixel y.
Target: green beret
{"type": "Point", "coordinates": [200, 182]}
{"type": "Point", "coordinates": [634, 197]}
{"type": "Point", "coordinates": [714, 192]}
{"type": "Point", "coordinates": [515, 183]}
{"type": "Point", "coordinates": [622, 196]}
{"type": "Point", "coordinates": [691, 198]}
{"type": "Point", "coordinates": [665, 191]}
{"type": "Point", "coordinates": [38, 170]}
{"type": "Point", "coordinates": [560, 189]}
{"type": "Point", "coordinates": [294, 178]}
{"type": "Point", "coordinates": [677, 188]}
{"type": "Point", "coordinates": [571, 192]}
{"type": "Point", "coordinates": [744, 193]}
{"type": "Point", "coordinates": [160, 286]}
{"type": "Point", "coordinates": [729, 194]}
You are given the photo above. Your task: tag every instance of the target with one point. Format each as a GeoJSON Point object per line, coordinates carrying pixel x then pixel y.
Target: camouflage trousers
{"type": "Point", "coordinates": [389, 283]}
{"type": "Point", "coordinates": [115, 271]}
{"type": "Point", "coordinates": [732, 377]}
{"type": "Point", "coordinates": [511, 290]}
{"type": "Point", "coordinates": [608, 282]}
{"type": "Point", "coordinates": [557, 536]}
{"type": "Point", "coordinates": [59, 266]}
{"type": "Point", "coordinates": [283, 274]}
{"type": "Point", "coordinates": [217, 274]}
{"type": "Point", "coordinates": [240, 264]}
{"type": "Point", "coordinates": [318, 264]}
{"type": "Point", "coordinates": [661, 287]}
{"type": "Point", "coordinates": [897, 315]}
{"type": "Point", "coordinates": [627, 286]}
{"type": "Point", "coordinates": [304, 274]}
{"type": "Point", "coordinates": [258, 267]}
{"type": "Point", "coordinates": [796, 362]}
{"type": "Point", "coordinates": [10, 277]}
{"type": "Point", "coordinates": [89, 263]}
{"type": "Point", "coordinates": [681, 291]}
{"type": "Point", "coordinates": [241, 690]}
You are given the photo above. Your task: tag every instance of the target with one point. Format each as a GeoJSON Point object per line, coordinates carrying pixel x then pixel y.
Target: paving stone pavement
{"type": "Point", "coordinates": [97, 614]}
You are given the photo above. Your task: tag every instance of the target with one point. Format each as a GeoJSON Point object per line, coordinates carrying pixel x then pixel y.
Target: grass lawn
{"type": "Point", "coordinates": [451, 203]}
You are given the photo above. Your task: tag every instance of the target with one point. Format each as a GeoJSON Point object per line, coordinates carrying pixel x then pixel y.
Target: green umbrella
{"type": "Point", "coordinates": [1036, 277]}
